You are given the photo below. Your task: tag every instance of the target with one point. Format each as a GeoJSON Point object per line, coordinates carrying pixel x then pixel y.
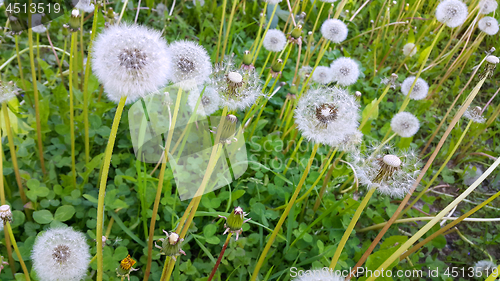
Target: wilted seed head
{"type": "Point", "coordinates": [209, 103]}
{"type": "Point", "coordinates": [419, 91]}
{"type": "Point", "coordinates": [488, 25]}
{"type": "Point", "coordinates": [235, 221]}
{"type": "Point", "coordinates": [234, 79]}
{"type": "Point", "coordinates": [60, 254]}
{"type": "Point", "coordinates": [322, 75]}
{"type": "Point", "coordinates": [171, 245]}
{"type": "Point", "coordinates": [274, 41]}
{"type": "Point", "coordinates": [474, 113]}
{"type": "Point", "coordinates": [492, 59]}
{"type": "Point", "coordinates": [190, 64]}
{"type": "Point", "coordinates": [7, 91]}
{"type": "Point", "coordinates": [5, 213]}
{"type": "Point", "coordinates": [247, 60]}
{"type": "Point", "coordinates": [487, 6]}
{"type": "Point", "coordinates": [345, 71]}
{"type": "Point", "coordinates": [228, 129]}
{"type": "Point", "coordinates": [334, 30]}
{"type": "Point", "coordinates": [85, 5]}
{"type": "Point", "coordinates": [451, 12]}
{"type": "Point", "coordinates": [409, 50]}
{"type": "Point", "coordinates": [388, 165]}
{"type": "Point", "coordinates": [130, 61]}
{"type": "Point", "coordinates": [405, 124]}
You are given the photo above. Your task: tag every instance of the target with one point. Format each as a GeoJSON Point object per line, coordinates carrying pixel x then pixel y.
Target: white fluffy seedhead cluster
{"type": "Point", "coordinates": [85, 5]}
{"type": "Point", "coordinates": [345, 71]}
{"type": "Point", "coordinates": [130, 60]}
{"type": "Point", "coordinates": [334, 30]}
{"type": "Point", "coordinates": [60, 254]}
{"type": "Point", "coordinates": [319, 275]}
{"type": "Point", "coordinates": [322, 75]}
{"type": "Point", "coordinates": [327, 115]}
{"type": "Point", "coordinates": [209, 102]}
{"type": "Point", "coordinates": [191, 64]}
{"type": "Point", "coordinates": [36, 23]}
{"type": "Point", "coordinates": [405, 124]}
{"type": "Point", "coordinates": [419, 91]}
{"type": "Point", "coordinates": [409, 50]}
{"type": "Point", "coordinates": [237, 88]}
{"type": "Point", "coordinates": [453, 13]}
{"type": "Point", "coordinates": [488, 25]}
{"type": "Point", "coordinates": [487, 6]}
{"type": "Point", "coordinates": [7, 91]}
{"type": "Point", "coordinates": [474, 113]}
{"type": "Point", "coordinates": [486, 267]}
{"type": "Point", "coordinates": [391, 172]}
{"type": "Point", "coordinates": [274, 41]}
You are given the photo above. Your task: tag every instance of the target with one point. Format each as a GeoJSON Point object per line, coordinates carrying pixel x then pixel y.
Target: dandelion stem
{"type": "Point", "coordinates": [102, 186]}
{"type": "Point", "coordinates": [37, 105]}
{"type": "Point", "coordinates": [18, 55]}
{"type": "Point", "coordinates": [253, 48]}
{"type": "Point", "coordinates": [18, 253]}
{"type": "Point", "coordinates": [220, 257]}
{"type": "Point", "coordinates": [222, 20]}
{"type": "Point", "coordinates": [349, 229]}
{"type": "Point", "coordinates": [293, 155]}
{"type": "Point", "coordinates": [228, 28]}
{"type": "Point", "coordinates": [265, 64]}
{"type": "Point", "coordinates": [283, 216]}
{"type": "Point", "coordinates": [325, 182]}
{"type": "Point", "coordinates": [121, 13]}
{"type": "Point", "coordinates": [264, 36]}
{"type": "Point", "coordinates": [160, 183]}
{"type": "Point", "coordinates": [71, 106]}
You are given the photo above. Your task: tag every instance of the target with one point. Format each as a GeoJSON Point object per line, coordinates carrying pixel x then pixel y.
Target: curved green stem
{"type": "Point", "coordinates": [102, 185]}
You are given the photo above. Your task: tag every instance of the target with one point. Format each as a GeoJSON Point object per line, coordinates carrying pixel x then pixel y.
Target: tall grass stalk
{"type": "Point", "coordinates": [264, 35]}
{"type": "Point", "coordinates": [228, 28]}
{"type": "Point", "coordinates": [71, 105]}
{"type": "Point", "coordinates": [222, 20]}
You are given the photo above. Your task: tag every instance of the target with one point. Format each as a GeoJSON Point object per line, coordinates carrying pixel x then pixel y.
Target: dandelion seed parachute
{"type": "Point", "coordinates": [209, 103]}
{"type": "Point", "coordinates": [60, 254]}
{"type": "Point", "coordinates": [334, 30]}
{"type": "Point", "coordinates": [409, 50]}
{"type": "Point", "coordinates": [130, 60]}
{"type": "Point", "coordinates": [405, 124]}
{"type": "Point", "coordinates": [322, 75]}
{"type": "Point", "coordinates": [327, 115]}
{"type": "Point", "coordinates": [453, 13]}
{"type": "Point", "coordinates": [345, 71]}
{"type": "Point", "coordinates": [487, 6]}
{"type": "Point", "coordinates": [488, 25]}
{"type": "Point", "coordinates": [191, 64]}
{"type": "Point", "coordinates": [274, 41]}
{"type": "Point", "coordinates": [419, 91]}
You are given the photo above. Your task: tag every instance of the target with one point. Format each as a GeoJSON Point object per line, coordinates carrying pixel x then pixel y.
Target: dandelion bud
{"type": "Point", "coordinates": [418, 92]}
{"type": "Point", "coordinates": [491, 63]}
{"type": "Point", "coordinates": [234, 79]}
{"type": "Point", "coordinates": [274, 41]}
{"type": "Point", "coordinates": [409, 49]}
{"type": "Point", "coordinates": [296, 32]}
{"type": "Point", "coordinates": [345, 71]}
{"type": "Point", "coordinates": [125, 267]}
{"type": "Point", "coordinates": [5, 213]}
{"type": "Point", "coordinates": [488, 25]}
{"type": "Point", "coordinates": [322, 75]}
{"type": "Point", "coordinates": [235, 221]}
{"type": "Point", "coordinates": [228, 129]}
{"type": "Point", "coordinates": [16, 25]}
{"type": "Point", "coordinates": [276, 67]}
{"type": "Point", "coordinates": [247, 58]}
{"type": "Point", "coordinates": [405, 124]}
{"type": "Point", "coordinates": [171, 245]}
{"type": "Point", "coordinates": [357, 94]}
{"type": "Point", "coordinates": [74, 21]}
{"type": "Point", "coordinates": [334, 30]}
{"type": "Point", "coordinates": [487, 6]}
{"type": "Point", "coordinates": [453, 13]}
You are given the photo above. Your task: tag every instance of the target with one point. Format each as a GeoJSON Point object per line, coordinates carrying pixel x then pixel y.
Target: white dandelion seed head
{"type": "Point", "coordinates": [474, 113]}
{"type": "Point", "coordinates": [334, 30]}
{"type": "Point", "coordinates": [237, 88]}
{"type": "Point", "coordinates": [191, 64]}
{"type": "Point", "coordinates": [419, 91]}
{"type": "Point", "coordinates": [472, 173]}
{"type": "Point", "coordinates": [322, 75]}
{"type": "Point", "coordinates": [485, 266]}
{"type": "Point", "coordinates": [487, 6]}
{"type": "Point", "coordinates": [60, 254]}
{"type": "Point", "coordinates": [391, 172]}
{"type": "Point", "coordinates": [130, 60]}
{"type": "Point", "coordinates": [319, 275]}
{"type": "Point", "coordinates": [8, 91]}
{"type": "Point", "coordinates": [273, 2]}
{"type": "Point", "coordinates": [405, 124]}
{"type": "Point", "coordinates": [209, 102]}
{"type": "Point", "coordinates": [161, 8]}
{"type": "Point", "coordinates": [488, 25]}
{"type": "Point", "coordinates": [345, 71]}
{"type": "Point", "coordinates": [327, 115]}
{"type": "Point", "coordinates": [305, 71]}
{"type": "Point", "coordinates": [85, 5]}
{"type": "Point", "coordinates": [409, 49]}
{"type": "Point", "coordinates": [36, 23]}
{"type": "Point", "coordinates": [274, 41]}
{"type": "Point", "coordinates": [453, 13]}
{"type": "Point", "coordinates": [351, 141]}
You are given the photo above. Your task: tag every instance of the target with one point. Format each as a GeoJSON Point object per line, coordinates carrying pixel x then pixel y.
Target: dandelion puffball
{"type": "Point", "coordinates": [451, 12]}
{"type": "Point", "coordinates": [274, 41]}
{"type": "Point", "coordinates": [488, 25]}
{"type": "Point", "coordinates": [191, 64]}
{"type": "Point", "coordinates": [327, 115]}
{"type": "Point", "coordinates": [474, 113]}
{"type": "Point", "coordinates": [130, 61]}
{"type": "Point", "coordinates": [419, 91]}
{"type": "Point", "coordinates": [345, 71]}
{"type": "Point", "coordinates": [322, 75]}
{"type": "Point", "coordinates": [36, 23]}
{"type": "Point", "coordinates": [209, 102]}
{"type": "Point", "coordinates": [60, 254]}
{"type": "Point", "coordinates": [487, 6]}
{"type": "Point", "coordinates": [7, 91]}
{"type": "Point", "coordinates": [334, 30]}
{"type": "Point", "coordinates": [409, 50]}
{"type": "Point", "coordinates": [405, 124]}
